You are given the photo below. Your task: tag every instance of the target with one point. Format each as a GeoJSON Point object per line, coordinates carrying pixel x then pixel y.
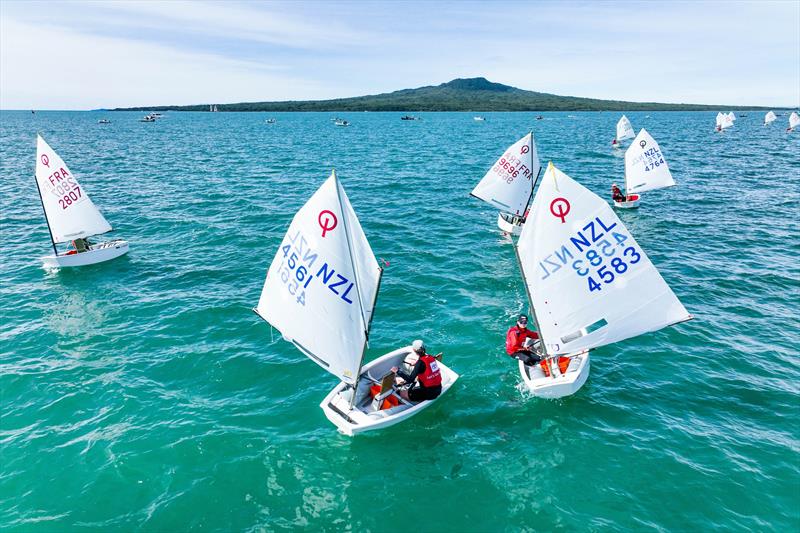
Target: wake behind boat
{"type": "Point", "coordinates": [324, 273]}
{"type": "Point", "coordinates": [589, 283]}
{"type": "Point", "coordinates": [70, 214]}
{"type": "Point", "coordinates": [509, 184]}
{"type": "Point", "coordinates": [645, 170]}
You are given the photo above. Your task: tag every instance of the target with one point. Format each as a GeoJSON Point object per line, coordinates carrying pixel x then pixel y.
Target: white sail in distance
{"type": "Point", "coordinates": [322, 284]}
{"type": "Point", "coordinates": [69, 210]}
{"type": "Point", "coordinates": [769, 118]}
{"type": "Point", "coordinates": [624, 129]}
{"type": "Point", "coordinates": [509, 183]}
{"type": "Point", "coordinates": [794, 120]}
{"type": "Point", "coordinates": [585, 271]}
{"type": "Point", "coordinates": [725, 121]}
{"type": "Point", "coordinates": [645, 166]}
{"type": "Point", "coordinates": [732, 116]}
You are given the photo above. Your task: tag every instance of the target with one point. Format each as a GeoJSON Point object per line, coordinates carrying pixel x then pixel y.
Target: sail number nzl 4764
{"type": "Point", "coordinates": [597, 253]}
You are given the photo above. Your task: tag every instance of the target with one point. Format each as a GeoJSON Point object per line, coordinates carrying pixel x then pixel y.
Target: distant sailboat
{"type": "Point", "coordinates": [769, 118]}
{"type": "Point", "coordinates": [509, 184]}
{"type": "Point", "coordinates": [794, 121]}
{"type": "Point", "coordinates": [645, 170]}
{"type": "Point", "coordinates": [320, 293]}
{"type": "Point", "coordinates": [479, 119]}
{"type": "Point", "coordinates": [70, 214]}
{"type": "Point", "coordinates": [724, 121]}
{"type": "Point", "coordinates": [589, 284]}
{"type": "Point", "coordinates": [624, 131]}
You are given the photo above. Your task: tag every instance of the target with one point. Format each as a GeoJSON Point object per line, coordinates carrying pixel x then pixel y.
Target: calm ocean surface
{"type": "Point", "coordinates": [143, 394]}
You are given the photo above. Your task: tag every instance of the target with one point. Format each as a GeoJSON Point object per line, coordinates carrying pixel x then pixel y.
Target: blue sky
{"type": "Point", "coordinates": [84, 55]}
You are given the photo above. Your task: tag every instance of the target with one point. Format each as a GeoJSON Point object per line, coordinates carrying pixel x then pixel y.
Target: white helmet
{"type": "Point", "coordinates": [418, 346]}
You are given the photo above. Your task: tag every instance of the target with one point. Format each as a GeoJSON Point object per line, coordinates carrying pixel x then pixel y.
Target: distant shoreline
{"type": "Point", "coordinates": [476, 95]}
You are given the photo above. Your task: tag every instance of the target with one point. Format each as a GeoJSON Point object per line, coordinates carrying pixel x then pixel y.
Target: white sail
{"type": "Point", "coordinates": [794, 120]}
{"type": "Point", "coordinates": [321, 287]}
{"type": "Point", "coordinates": [509, 183]}
{"type": "Point", "coordinates": [584, 270]}
{"type": "Point", "coordinates": [69, 210]}
{"type": "Point", "coordinates": [720, 117]}
{"type": "Point", "coordinates": [645, 166]}
{"type": "Point", "coordinates": [725, 121]}
{"type": "Point", "coordinates": [624, 129]}
{"type": "Point", "coordinates": [732, 116]}
{"type": "Point", "coordinates": [769, 118]}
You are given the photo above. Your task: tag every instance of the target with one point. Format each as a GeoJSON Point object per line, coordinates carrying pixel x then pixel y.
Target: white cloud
{"type": "Point", "coordinates": [63, 70]}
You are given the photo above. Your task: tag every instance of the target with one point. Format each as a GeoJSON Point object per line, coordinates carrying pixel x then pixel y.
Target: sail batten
{"type": "Point", "coordinates": [585, 271]}
{"type": "Point", "coordinates": [322, 285]}
{"type": "Point", "coordinates": [70, 212]}
{"type": "Point", "coordinates": [645, 166]}
{"type": "Point", "coordinates": [509, 183]}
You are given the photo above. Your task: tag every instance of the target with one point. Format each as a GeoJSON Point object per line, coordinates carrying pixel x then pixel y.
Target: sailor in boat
{"type": "Point", "coordinates": [425, 377]}
{"type": "Point", "coordinates": [614, 143]}
{"type": "Point", "coordinates": [519, 340]}
{"type": "Point", "coordinates": [616, 193]}
{"type": "Point", "coordinates": [78, 246]}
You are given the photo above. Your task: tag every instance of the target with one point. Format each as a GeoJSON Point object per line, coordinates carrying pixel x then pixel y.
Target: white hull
{"type": "Point", "coordinates": [633, 201]}
{"type": "Point", "coordinates": [507, 224]}
{"type": "Point", "coordinates": [97, 253]}
{"type": "Point", "coordinates": [362, 417]}
{"type": "Point", "coordinates": [553, 386]}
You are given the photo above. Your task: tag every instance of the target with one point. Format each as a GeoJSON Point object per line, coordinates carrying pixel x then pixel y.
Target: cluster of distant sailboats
{"type": "Point", "coordinates": [589, 283]}
{"type": "Point", "coordinates": [726, 120]}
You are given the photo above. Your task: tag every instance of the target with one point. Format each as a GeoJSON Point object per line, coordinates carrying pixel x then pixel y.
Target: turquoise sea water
{"type": "Point", "coordinates": [143, 393]}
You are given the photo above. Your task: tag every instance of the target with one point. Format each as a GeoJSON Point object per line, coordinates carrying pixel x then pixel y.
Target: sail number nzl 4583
{"type": "Point", "coordinates": [299, 268]}
{"type": "Point", "coordinates": [597, 253]}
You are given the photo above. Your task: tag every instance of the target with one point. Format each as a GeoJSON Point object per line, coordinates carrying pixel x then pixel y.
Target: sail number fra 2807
{"type": "Point", "coordinates": [597, 253]}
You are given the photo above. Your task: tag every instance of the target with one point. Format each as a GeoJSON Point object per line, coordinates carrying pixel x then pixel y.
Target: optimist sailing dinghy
{"type": "Point", "coordinates": [624, 131]}
{"type": "Point", "coordinates": [588, 281]}
{"type": "Point", "coordinates": [509, 184]}
{"type": "Point", "coordinates": [769, 118]}
{"type": "Point", "coordinates": [70, 214]}
{"type": "Point", "coordinates": [794, 121]}
{"type": "Point", "coordinates": [324, 273]}
{"type": "Point", "coordinates": [645, 170]}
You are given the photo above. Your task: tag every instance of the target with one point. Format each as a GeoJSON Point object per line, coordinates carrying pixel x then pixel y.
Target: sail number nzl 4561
{"type": "Point", "coordinates": [597, 253]}
{"type": "Point", "coordinates": [301, 265]}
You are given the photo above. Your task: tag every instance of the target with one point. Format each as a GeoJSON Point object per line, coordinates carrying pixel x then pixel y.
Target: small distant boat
{"type": "Point", "coordinates": [571, 116]}
{"type": "Point", "coordinates": [409, 117]}
{"type": "Point", "coordinates": [147, 118]}
{"type": "Point", "coordinates": [509, 184]}
{"type": "Point", "coordinates": [270, 121]}
{"type": "Point", "coordinates": [645, 170]}
{"type": "Point", "coordinates": [480, 119]}
{"type": "Point", "coordinates": [577, 303]}
{"type": "Point", "coordinates": [769, 118]}
{"type": "Point", "coordinates": [540, 117]}
{"type": "Point", "coordinates": [325, 273]}
{"type": "Point", "coordinates": [624, 131]}
{"type": "Point", "coordinates": [213, 108]}
{"type": "Point", "coordinates": [104, 121]}
{"type": "Point", "coordinates": [341, 122]}
{"type": "Point", "coordinates": [724, 121]}
{"type": "Point", "coordinates": [794, 121]}
{"type": "Point", "coordinates": [70, 214]}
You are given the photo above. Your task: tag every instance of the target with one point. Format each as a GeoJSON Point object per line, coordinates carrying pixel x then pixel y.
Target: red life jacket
{"type": "Point", "coordinates": [515, 338]}
{"type": "Point", "coordinates": [432, 377]}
